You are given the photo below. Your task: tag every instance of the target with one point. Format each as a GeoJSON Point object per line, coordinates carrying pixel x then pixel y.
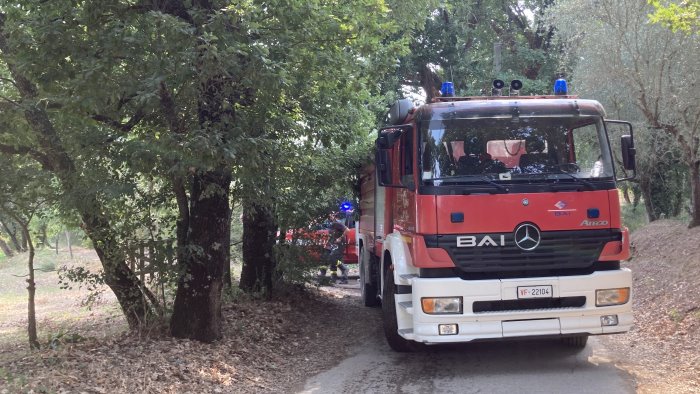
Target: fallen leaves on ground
{"type": "Point", "coordinates": [268, 346]}
{"type": "Point", "coordinates": [663, 348]}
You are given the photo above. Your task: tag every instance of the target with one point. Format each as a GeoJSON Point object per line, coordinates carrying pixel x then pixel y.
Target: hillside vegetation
{"type": "Point", "coordinates": [663, 348]}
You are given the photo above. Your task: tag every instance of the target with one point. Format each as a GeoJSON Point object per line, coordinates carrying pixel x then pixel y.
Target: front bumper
{"type": "Point", "coordinates": [418, 326]}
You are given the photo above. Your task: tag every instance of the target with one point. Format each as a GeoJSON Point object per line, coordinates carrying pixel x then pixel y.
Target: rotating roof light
{"type": "Point", "coordinates": [447, 89]}
{"type": "Point", "coordinates": [560, 87]}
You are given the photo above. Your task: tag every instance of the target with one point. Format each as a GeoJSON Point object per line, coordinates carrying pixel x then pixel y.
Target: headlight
{"type": "Point", "coordinates": [608, 297]}
{"type": "Point", "coordinates": [442, 305]}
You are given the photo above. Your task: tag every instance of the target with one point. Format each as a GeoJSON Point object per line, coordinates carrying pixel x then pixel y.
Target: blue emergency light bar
{"type": "Point", "coordinates": [346, 206]}
{"type": "Point", "coordinates": [447, 89]}
{"type": "Point", "coordinates": [560, 88]}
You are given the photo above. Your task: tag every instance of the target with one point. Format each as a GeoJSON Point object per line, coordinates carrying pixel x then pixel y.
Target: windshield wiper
{"type": "Point", "coordinates": [580, 181]}
{"type": "Point", "coordinates": [468, 178]}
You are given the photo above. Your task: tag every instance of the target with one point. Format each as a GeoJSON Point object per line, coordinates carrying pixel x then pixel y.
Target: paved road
{"type": "Point", "coordinates": [497, 367]}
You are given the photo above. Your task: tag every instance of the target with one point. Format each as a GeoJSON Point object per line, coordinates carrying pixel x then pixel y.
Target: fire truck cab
{"type": "Point", "coordinates": [496, 217]}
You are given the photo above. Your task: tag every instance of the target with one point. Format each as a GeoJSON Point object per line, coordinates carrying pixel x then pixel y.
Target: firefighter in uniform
{"type": "Point", "coordinates": [334, 250]}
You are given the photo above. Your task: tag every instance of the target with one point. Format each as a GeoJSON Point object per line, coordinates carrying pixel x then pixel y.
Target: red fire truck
{"type": "Point", "coordinates": [497, 217]}
{"type": "Point", "coordinates": [314, 239]}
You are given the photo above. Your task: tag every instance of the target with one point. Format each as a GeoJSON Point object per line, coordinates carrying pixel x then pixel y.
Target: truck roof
{"type": "Point", "coordinates": [525, 106]}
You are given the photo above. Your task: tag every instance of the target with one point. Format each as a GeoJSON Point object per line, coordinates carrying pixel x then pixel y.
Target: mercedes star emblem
{"type": "Point", "coordinates": [527, 236]}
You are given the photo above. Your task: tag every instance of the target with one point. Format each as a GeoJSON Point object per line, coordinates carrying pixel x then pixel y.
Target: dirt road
{"type": "Point", "coordinates": [542, 366]}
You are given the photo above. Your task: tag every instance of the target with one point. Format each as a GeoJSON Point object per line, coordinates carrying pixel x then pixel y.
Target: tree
{"type": "Point", "coordinates": [26, 188]}
{"type": "Point", "coordinates": [653, 65]}
{"type": "Point", "coordinates": [326, 103]}
{"type": "Point", "coordinates": [177, 91]}
{"type": "Point", "coordinates": [459, 41]}
{"type": "Point", "coordinates": [679, 17]}
{"type": "Point", "coordinates": [34, 133]}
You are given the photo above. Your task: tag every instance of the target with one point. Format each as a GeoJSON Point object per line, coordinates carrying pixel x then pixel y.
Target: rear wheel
{"type": "Point", "coordinates": [577, 341]}
{"type": "Point", "coordinates": [391, 326]}
{"type": "Point", "coordinates": [369, 290]}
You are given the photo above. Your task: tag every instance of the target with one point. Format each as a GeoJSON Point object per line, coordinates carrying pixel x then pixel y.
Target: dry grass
{"type": "Point", "coordinates": [58, 311]}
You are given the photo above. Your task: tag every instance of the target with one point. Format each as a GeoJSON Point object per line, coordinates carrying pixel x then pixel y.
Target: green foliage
{"type": "Point", "coordinates": [142, 97]}
{"type": "Point", "coordinates": [642, 76]}
{"type": "Point", "coordinates": [682, 17]}
{"type": "Point", "coordinates": [13, 380]}
{"type": "Point", "coordinates": [633, 217]}
{"type": "Point", "coordinates": [71, 276]}
{"type": "Point", "coordinates": [458, 41]}
{"type": "Point", "coordinates": [47, 266]}
{"type": "Point", "coordinates": [61, 338]}
{"type": "Point", "coordinates": [295, 265]}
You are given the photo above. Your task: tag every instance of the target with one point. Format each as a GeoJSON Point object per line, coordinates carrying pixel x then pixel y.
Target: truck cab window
{"type": "Point", "coordinates": [589, 156]}
{"type": "Point", "coordinates": [501, 149]}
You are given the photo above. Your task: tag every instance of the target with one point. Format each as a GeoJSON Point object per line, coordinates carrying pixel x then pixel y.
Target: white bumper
{"type": "Point", "coordinates": [418, 326]}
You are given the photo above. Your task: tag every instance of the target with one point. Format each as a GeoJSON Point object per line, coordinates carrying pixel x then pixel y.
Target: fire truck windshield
{"type": "Point", "coordinates": [508, 149]}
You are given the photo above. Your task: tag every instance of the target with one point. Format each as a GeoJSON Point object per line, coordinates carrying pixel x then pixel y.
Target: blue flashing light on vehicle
{"type": "Point", "coordinates": [560, 87]}
{"type": "Point", "coordinates": [447, 89]}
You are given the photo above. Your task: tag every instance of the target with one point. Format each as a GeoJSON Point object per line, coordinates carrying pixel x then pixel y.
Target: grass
{"type": "Point", "coordinates": [57, 310]}
{"type": "Point", "coordinates": [675, 315]}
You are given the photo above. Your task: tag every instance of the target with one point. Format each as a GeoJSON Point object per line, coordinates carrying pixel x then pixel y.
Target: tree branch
{"type": "Point", "coordinates": [115, 124]}
{"type": "Point", "coordinates": [25, 150]}
{"type": "Point", "coordinates": [167, 104]}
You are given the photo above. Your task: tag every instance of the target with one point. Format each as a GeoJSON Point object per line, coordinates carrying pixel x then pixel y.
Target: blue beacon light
{"type": "Point", "coordinates": [447, 89]}
{"type": "Point", "coordinates": [346, 206]}
{"type": "Point", "coordinates": [560, 88]}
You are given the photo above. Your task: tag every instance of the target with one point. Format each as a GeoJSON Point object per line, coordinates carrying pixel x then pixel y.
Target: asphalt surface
{"type": "Point", "coordinates": [512, 367]}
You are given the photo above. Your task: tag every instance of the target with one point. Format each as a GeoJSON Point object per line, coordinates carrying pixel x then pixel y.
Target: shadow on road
{"type": "Point", "coordinates": [531, 366]}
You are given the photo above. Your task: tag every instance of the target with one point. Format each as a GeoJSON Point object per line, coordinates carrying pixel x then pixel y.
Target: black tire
{"type": "Point", "coordinates": [391, 326]}
{"type": "Point", "coordinates": [368, 290]}
{"type": "Point", "coordinates": [576, 342]}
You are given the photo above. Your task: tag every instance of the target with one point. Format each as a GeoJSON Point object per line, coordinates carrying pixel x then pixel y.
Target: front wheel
{"type": "Point", "coordinates": [368, 290]}
{"type": "Point", "coordinates": [391, 325]}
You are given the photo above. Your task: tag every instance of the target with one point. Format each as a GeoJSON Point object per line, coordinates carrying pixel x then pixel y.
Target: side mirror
{"type": "Point", "coordinates": [628, 152]}
{"type": "Point", "coordinates": [388, 136]}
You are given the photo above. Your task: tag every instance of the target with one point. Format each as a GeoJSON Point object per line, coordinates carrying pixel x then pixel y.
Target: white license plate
{"type": "Point", "coordinates": [534, 291]}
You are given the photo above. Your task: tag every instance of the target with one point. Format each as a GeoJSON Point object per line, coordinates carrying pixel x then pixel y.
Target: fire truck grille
{"type": "Point", "coordinates": [558, 250]}
{"type": "Point", "coordinates": [528, 304]}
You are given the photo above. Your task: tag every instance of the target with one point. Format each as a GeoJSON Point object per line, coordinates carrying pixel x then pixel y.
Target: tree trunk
{"type": "Point", "coordinates": [132, 295]}
{"type": "Point", "coordinates": [183, 219]}
{"type": "Point", "coordinates": [6, 249]}
{"type": "Point", "coordinates": [45, 237]}
{"type": "Point", "coordinates": [24, 242]}
{"type": "Point", "coordinates": [31, 289]}
{"type": "Point", "coordinates": [259, 230]}
{"type": "Point", "coordinates": [645, 187]}
{"type": "Point", "coordinates": [197, 307]}
{"type": "Point", "coordinates": [626, 194]}
{"type": "Point", "coordinates": [695, 194]}
{"type": "Point", "coordinates": [430, 83]}
{"type": "Point", "coordinates": [227, 260]}
{"type": "Point", "coordinates": [12, 233]}
{"type": "Point", "coordinates": [70, 246]}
